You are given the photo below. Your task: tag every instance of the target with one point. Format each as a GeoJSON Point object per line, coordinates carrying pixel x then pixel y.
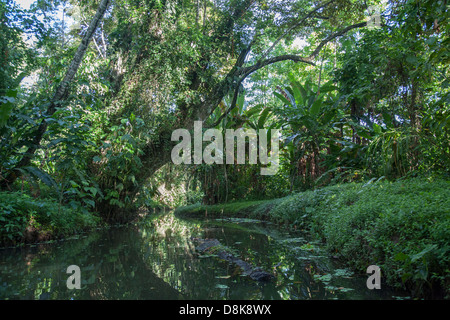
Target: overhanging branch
{"type": "Point", "coordinates": [333, 36]}
{"type": "Point", "coordinates": [246, 71]}
{"type": "Point", "coordinates": [241, 73]}
{"type": "Point", "coordinates": [309, 15]}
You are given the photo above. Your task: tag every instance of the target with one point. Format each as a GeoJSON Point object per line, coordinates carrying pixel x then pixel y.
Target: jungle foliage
{"type": "Point", "coordinates": [402, 226]}
{"type": "Point", "coordinates": [91, 91]}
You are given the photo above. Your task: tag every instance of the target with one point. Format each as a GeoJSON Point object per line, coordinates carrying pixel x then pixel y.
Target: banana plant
{"type": "Point", "coordinates": [307, 113]}
{"type": "Point", "coordinates": [257, 117]}
{"type": "Point", "coordinates": [307, 110]}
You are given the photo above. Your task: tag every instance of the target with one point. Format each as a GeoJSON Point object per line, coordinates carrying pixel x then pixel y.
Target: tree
{"type": "Point", "coordinates": [172, 73]}
{"type": "Point", "coordinates": [164, 74]}
{"type": "Point", "coordinates": [59, 96]}
{"type": "Point", "coordinates": [388, 80]}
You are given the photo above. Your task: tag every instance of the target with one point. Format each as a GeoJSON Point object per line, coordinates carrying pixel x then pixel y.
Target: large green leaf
{"type": "Point", "coordinates": [299, 99]}
{"type": "Point", "coordinates": [6, 106]}
{"type": "Point", "coordinates": [41, 175]}
{"type": "Point", "coordinates": [315, 107]}
{"type": "Point", "coordinates": [5, 110]}
{"type": "Point", "coordinates": [364, 134]}
{"type": "Point", "coordinates": [250, 112]}
{"type": "Point", "coordinates": [263, 117]}
{"type": "Point", "coordinates": [282, 98]}
{"type": "Point", "coordinates": [328, 116]}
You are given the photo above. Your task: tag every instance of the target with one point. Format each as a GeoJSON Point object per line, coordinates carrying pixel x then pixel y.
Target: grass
{"type": "Point", "coordinates": [403, 227]}
{"type": "Point", "coordinates": [246, 209]}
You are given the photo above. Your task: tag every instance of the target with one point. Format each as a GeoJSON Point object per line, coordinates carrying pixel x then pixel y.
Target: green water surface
{"type": "Point", "coordinates": [156, 259]}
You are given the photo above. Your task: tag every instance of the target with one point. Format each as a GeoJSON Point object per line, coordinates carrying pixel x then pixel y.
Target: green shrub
{"type": "Point", "coordinates": [14, 216]}
{"type": "Point", "coordinates": [403, 227]}
{"type": "Point", "coordinates": [20, 211]}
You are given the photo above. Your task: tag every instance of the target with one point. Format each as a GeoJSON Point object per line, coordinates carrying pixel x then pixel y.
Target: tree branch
{"type": "Point", "coordinates": [333, 36]}
{"type": "Point", "coordinates": [61, 92]}
{"type": "Point", "coordinates": [244, 72]}
{"type": "Point", "coordinates": [295, 26]}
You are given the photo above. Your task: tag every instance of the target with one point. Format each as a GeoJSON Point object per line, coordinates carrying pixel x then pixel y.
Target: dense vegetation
{"type": "Point", "coordinates": [401, 226]}
{"type": "Point", "coordinates": [91, 91]}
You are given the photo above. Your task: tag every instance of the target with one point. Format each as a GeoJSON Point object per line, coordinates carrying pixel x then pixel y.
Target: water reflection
{"type": "Point", "coordinates": [156, 259]}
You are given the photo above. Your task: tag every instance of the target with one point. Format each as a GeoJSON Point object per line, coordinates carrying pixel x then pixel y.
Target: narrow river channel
{"type": "Point", "coordinates": [157, 259]}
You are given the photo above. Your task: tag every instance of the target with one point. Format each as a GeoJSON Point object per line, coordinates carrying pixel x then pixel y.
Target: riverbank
{"type": "Point", "coordinates": [24, 219]}
{"type": "Point", "coordinates": [403, 227]}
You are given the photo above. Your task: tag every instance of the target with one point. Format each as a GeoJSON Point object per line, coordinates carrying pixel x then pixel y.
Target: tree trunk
{"type": "Point", "coordinates": [157, 153]}
{"type": "Point", "coordinates": [60, 95]}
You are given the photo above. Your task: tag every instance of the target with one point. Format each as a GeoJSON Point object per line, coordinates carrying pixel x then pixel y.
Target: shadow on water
{"type": "Point", "coordinates": [156, 259]}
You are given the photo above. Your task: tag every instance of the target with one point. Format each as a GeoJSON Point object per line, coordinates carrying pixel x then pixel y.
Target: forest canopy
{"type": "Point", "coordinates": [356, 94]}
{"type": "Point", "coordinates": [92, 90]}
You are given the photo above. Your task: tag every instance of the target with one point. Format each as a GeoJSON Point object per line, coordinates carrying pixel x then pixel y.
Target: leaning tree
{"type": "Point", "coordinates": [172, 62]}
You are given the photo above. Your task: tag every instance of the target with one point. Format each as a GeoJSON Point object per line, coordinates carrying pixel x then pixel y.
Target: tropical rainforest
{"type": "Point", "coordinates": [92, 90]}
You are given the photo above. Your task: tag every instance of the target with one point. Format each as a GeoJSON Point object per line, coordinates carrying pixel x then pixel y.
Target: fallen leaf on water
{"type": "Point", "coordinates": [221, 286]}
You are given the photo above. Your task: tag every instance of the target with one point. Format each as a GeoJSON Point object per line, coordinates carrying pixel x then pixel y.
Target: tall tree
{"type": "Point", "coordinates": [61, 93]}
{"type": "Point", "coordinates": [173, 73]}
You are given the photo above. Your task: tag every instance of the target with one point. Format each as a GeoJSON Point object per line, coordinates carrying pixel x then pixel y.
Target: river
{"type": "Point", "coordinates": [156, 259]}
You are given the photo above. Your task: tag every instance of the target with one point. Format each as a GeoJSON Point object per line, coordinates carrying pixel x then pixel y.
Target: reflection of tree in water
{"type": "Point", "coordinates": [171, 254]}
{"type": "Point", "coordinates": [121, 274]}
{"type": "Point", "coordinates": [110, 263]}
{"type": "Point", "coordinates": [260, 246]}
{"type": "Point", "coordinates": [156, 259]}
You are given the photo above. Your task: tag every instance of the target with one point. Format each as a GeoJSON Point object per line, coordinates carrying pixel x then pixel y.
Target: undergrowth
{"type": "Point", "coordinates": [402, 226]}
{"type": "Point", "coordinates": [26, 219]}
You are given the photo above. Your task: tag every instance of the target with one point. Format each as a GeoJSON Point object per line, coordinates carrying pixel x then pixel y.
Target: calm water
{"type": "Point", "coordinates": [156, 259]}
